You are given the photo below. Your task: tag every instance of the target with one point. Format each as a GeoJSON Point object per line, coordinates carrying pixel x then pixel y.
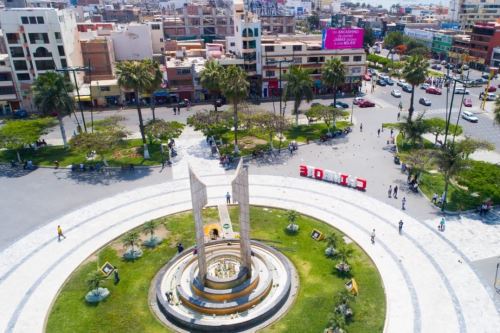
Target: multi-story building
{"type": "Point", "coordinates": [484, 38]}
{"type": "Point", "coordinates": [132, 42]}
{"type": "Point", "coordinates": [459, 49]}
{"type": "Point", "coordinates": [39, 40]}
{"type": "Point", "coordinates": [441, 44]}
{"type": "Point", "coordinates": [9, 100]}
{"type": "Point", "coordinates": [468, 12]}
{"type": "Point", "coordinates": [157, 36]}
{"type": "Point", "coordinates": [283, 24]}
{"type": "Point", "coordinates": [422, 35]}
{"type": "Point", "coordinates": [98, 53]}
{"type": "Point", "coordinates": [495, 57]}
{"type": "Point", "coordinates": [180, 73]}
{"type": "Point", "coordinates": [124, 14]}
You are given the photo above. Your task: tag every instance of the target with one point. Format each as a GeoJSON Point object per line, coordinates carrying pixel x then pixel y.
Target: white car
{"type": "Point", "coordinates": [401, 82]}
{"type": "Point", "coordinates": [462, 91]}
{"type": "Point", "coordinates": [396, 93]}
{"type": "Point", "coordinates": [425, 86]}
{"type": "Point", "coordinates": [469, 116]}
{"type": "Point", "coordinates": [383, 77]}
{"type": "Point", "coordinates": [489, 97]}
{"type": "Point", "coordinates": [357, 100]}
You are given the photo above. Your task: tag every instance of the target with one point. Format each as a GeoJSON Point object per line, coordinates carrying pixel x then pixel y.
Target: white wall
{"type": "Point", "coordinates": [133, 42]}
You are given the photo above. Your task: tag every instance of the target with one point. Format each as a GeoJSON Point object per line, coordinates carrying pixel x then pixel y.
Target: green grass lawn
{"type": "Point", "coordinates": [127, 309]}
{"type": "Point", "coordinates": [311, 132]}
{"type": "Point", "coordinates": [129, 152]}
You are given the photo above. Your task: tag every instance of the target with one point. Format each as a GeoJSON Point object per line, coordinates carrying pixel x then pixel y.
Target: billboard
{"type": "Point", "coordinates": [342, 38]}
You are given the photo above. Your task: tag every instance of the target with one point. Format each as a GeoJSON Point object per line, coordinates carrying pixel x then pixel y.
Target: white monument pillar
{"type": "Point", "coordinates": [199, 200]}
{"type": "Point", "coordinates": [242, 196]}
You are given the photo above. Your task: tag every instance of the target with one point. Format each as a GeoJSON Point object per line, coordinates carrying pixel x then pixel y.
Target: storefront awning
{"type": "Point", "coordinates": [83, 98]}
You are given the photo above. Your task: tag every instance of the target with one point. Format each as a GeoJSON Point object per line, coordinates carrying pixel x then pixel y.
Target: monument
{"type": "Point", "coordinates": [227, 282]}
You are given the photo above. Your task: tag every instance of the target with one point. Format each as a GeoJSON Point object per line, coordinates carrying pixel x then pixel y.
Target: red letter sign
{"type": "Point", "coordinates": [343, 179]}
{"type": "Point", "coordinates": [303, 170]}
{"type": "Point", "coordinates": [318, 174]}
{"type": "Point", "coordinates": [361, 184]}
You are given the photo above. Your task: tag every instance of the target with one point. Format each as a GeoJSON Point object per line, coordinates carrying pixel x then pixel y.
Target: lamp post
{"type": "Point", "coordinates": [279, 62]}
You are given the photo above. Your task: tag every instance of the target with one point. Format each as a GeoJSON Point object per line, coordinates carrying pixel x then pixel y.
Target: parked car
{"type": "Point", "coordinates": [381, 82]}
{"type": "Point", "coordinates": [396, 93]}
{"type": "Point", "coordinates": [469, 116]}
{"type": "Point", "coordinates": [465, 67]}
{"type": "Point", "coordinates": [425, 101]}
{"type": "Point", "coordinates": [436, 67]}
{"type": "Point", "coordinates": [462, 91]}
{"type": "Point", "coordinates": [449, 66]}
{"type": "Point", "coordinates": [384, 77]}
{"type": "Point", "coordinates": [424, 86]}
{"type": "Point", "coordinates": [489, 96]}
{"type": "Point", "coordinates": [389, 82]}
{"type": "Point", "coordinates": [479, 82]}
{"type": "Point", "coordinates": [20, 114]}
{"type": "Point", "coordinates": [492, 89]}
{"type": "Point", "coordinates": [366, 104]}
{"type": "Point", "coordinates": [433, 91]}
{"type": "Point", "coordinates": [367, 77]}
{"type": "Point", "coordinates": [443, 62]}
{"type": "Point", "coordinates": [357, 100]}
{"type": "Point", "coordinates": [407, 88]}
{"type": "Point", "coordinates": [401, 82]}
{"type": "Point", "coordinates": [467, 102]}
{"type": "Point", "coordinates": [485, 76]}
{"type": "Point", "coordinates": [340, 105]}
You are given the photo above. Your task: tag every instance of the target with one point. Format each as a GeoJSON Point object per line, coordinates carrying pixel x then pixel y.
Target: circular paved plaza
{"type": "Point", "coordinates": [429, 285]}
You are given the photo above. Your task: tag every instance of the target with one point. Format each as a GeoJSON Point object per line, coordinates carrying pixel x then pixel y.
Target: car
{"type": "Point", "coordinates": [443, 62]}
{"type": "Point", "coordinates": [433, 91]}
{"type": "Point", "coordinates": [401, 82]}
{"type": "Point", "coordinates": [485, 76]}
{"type": "Point", "coordinates": [465, 67]}
{"type": "Point", "coordinates": [436, 67]}
{"type": "Point", "coordinates": [469, 116]}
{"type": "Point", "coordinates": [425, 86]}
{"type": "Point", "coordinates": [367, 77]}
{"type": "Point", "coordinates": [396, 93]}
{"type": "Point", "coordinates": [489, 96]}
{"type": "Point", "coordinates": [479, 82]}
{"type": "Point", "coordinates": [449, 66]}
{"type": "Point", "coordinates": [20, 114]}
{"type": "Point", "coordinates": [383, 77]}
{"type": "Point", "coordinates": [461, 91]}
{"type": "Point", "coordinates": [366, 104]}
{"type": "Point", "coordinates": [381, 82]}
{"type": "Point", "coordinates": [492, 89]}
{"type": "Point", "coordinates": [425, 101]}
{"type": "Point", "coordinates": [357, 100]}
{"type": "Point", "coordinates": [467, 83]}
{"type": "Point", "coordinates": [389, 82]}
{"type": "Point", "coordinates": [340, 105]}
{"type": "Point", "coordinates": [467, 102]}
{"type": "Point", "coordinates": [407, 88]}
{"type": "Point", "coordinates": [372, 71]}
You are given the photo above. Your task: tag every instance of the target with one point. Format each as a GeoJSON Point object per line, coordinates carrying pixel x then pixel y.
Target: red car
{"type": "Point", "coordinates": [366, 104]}
{"type": "Point", "coordinates": [433, 91]}
{"type": "Point", "coordinates": [367, 77]}
{"type": "Point", "coordinates": [492, 89]}
{"type": "Point", "coordinates": [468, 102]}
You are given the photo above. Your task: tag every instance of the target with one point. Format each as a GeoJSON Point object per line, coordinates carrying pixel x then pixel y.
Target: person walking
{"type": "Point", "coordinates": [400, 226]}
{"type": "Point", "coordinates": [361, 127]}
{"type": "Point", "coordinates": [399, 115]}
{"type": "Point", "coordinates": [175, 110]}
{"type": "Point", "coordinates": [395, 195]}
{"type": "Point", "coordinates": [392, 132]}
{"type": "Point", "coordinates": [60, 233]}
{"type": "Point", "coordinates": [372, 236]}
{"type": "Point", "coordinates": [389, 191]}
{"type": "Point", "coordinates": [116, 275]}
{"type": "Point", "coordinates": [378, 132]}
{"type": "Point", "coordinates": [403, 204]}
{"type": "Point", "coordinates": [180, 248]}
{"type": "Point", "coordinates": [228, 198]}
{"type": "Point", "coordinates": [442, 224]}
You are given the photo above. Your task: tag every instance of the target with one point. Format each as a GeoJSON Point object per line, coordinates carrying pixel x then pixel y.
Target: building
{"type": "Point", "coordinates": [483, 39]}
{"type": "Point", "coordinates": [180, 75]}
{"type": "Point", "coordinates": [157, 37]}
{"type": "Point", "coordinates": [106, 93]}
{"type": "Point", "coordinates": [495, 58]}
{"type": "Point", "coordinates": [9, 100]}
{"type": "Point", "coordinates": [441, 44]}
{"type": "Point", "coordinates": [98, 53]}
{"type": "Point", "coordinates": [468, 12]}
{"type": "Point", "coordinates": [426, 37]}
{"type": "Point", "coordinates": [132, 42]}
{"type": "Point", "coordinates": [39, 40]}
{"type": "Point", "coordinates": [283, 24]}
{"type": "Point", "coordinates": [459, 49]}
{"type": "Point", "coordinates": [124, 14]}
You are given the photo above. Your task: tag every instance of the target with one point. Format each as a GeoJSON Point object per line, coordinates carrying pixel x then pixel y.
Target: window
{"type": "Point", "coordinates": [316, 59]}
{"type": "Point", "coordinates": [283, 47]}
{"type": "Point", "coordinates": [58, 36]}
{"type": "Point", "coordinates": [356, 70]}
{"type": "Point", "coordinates": [344, 58]}
{"type": "Point", "coordinates": [23, 77]}
{"type": "Point", "coordinates": [24, 19]}
{"type": "Point", "coordinates": [60, 49]}
{"type": "Point", "coordinates": [13, 38]}
{"type": "Point", "coordinates": [155, 26]}
{"type": "Point", "coordinates": [256, 32]}
{"type": "Point", "coordinates": [270, 73]}
{"type": "Point", "coordinates": [297, 60]}
{"type": "Point", "coordinates": [105, 88]}
{"type": "Point", "coordinates": [247, 32]}
{"type": "Point", "coordinates": [44, 65]}
{"type": "Point", "coordinates": [20, 65]}
{"type": "Point", "coordinates": [38, 38]}
{"type": "Point", "coordinates": [161, 40]}
{"type": "Point", "coordinates": [40, 20]}
{"type": "Point", "coordinates": [357, 58]}
{"type": "Point", "coordinates": [42, 52]}
{"type": "Point", "coordinates": [232, 44]}
{"type": "Point", "coordinates": [2, 63]}
{"type": "Point", "coordinates": [184, 71]}
{"type": "Point", "coordinates": [5, 77]}
{"type": "Point", "coordinates": [64, 64]}
{"type": "Point", "coordinates": [7, 90]}
{"type": "Point", "coordinates": [269, 48]}
{"type": "Point", "coordinates": [16, 52]}
{"type": "Point", "coordinates": [297, 47]}
{"type": "Point", "coordinates": [251, 44]}
{"type": "Point", "coordinates": [32, 20]}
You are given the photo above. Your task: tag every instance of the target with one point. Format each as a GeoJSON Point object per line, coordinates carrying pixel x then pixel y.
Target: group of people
{"type": "Point", "coordinates": [292, 146]}
{"type": "Point", "coordinates": [437, 82]}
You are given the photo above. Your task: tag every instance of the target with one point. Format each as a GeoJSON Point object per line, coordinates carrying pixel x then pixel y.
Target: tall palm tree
{"type": "Point", "coordinates": [333, 75]}
{"type": "Point", "coordinates": [415, 72]}
{"type": "Point", "coordinates": [130, 240]}
{"type": "Point", "coordinates": [496, 111]}
{"type": "Point", "coordinates": [50, 95]}
{"type": "Point", "coordinates": [138, 76]}
{"type": "Point", "coordinates": [234, 86]}
{"type": "Point", "coordinates": [154, 69]}
{"type": "Point", "coordinates": [299, 86]}
{"type": "Point", "coordinates": [413, 130]}
{"type": "Point", "coordinates": [210, 79]}
{"type": "Point", "coordinates": [149, 228]}
{"type": "Point", "coordinates": [94, 281]}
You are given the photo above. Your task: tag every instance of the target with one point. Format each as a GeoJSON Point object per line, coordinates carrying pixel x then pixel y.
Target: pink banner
{"type": "Point", "coordinates": [337, 39]}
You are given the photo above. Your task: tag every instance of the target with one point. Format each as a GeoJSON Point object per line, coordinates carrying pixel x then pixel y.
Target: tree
{"type": "Point", "coordinates": [16, 134]}
{"type": "Point", "coordinates": [94, 280]}
{"type": "Point", "coordinates": [130, 240]}
{"type": "Point", "coordinates": [333, 74]}
{"type": "Point", "coordinates": [313, 21]}
{"type": "Point", "coordinates": [299, 86]}
{"type": "Point", "coordinates": [270, 124]}
{"type": "Point", "coordinates": [437, 126]}
{"type": "Point", "coordinates": [292, 216]}
{"type": "Point", "coordinates": [138, 76]}
{"type": "Point", "coordinates": [333, 241]}
{"type": "Point", "coordinates": [344, 253]}
{"type": "Point", "coordinates": [105, 138]}
{"type": "Point", "coordinates": [413, 130]}
{"type": "Point", "coordinates": [393, 39]}
{"type": "Point", "coordinates": [415, 72]}
{"type": "Point", "coordinates": [312, 114]}
{"type": "Point", "coordinates": [161, 130]}
{"type": "Point", "coordinates": [337, 322]}
{"type": "Point", "coordinates": [235, 86]}
{"type": "Point", "coordinates": [210, 79]}
{"type": "Point", "coordinates": [211, 123]}
{"type": "Point", "coordinates": [496, 111]}
{"type": "Point", "coordinates": [149, 228]}
{"type": "Point", "coordinates": [50, 95]}
{"type": "Point", "coordinates": [330, 115]}
{"type": "Point", "coordinates": [369, 38]}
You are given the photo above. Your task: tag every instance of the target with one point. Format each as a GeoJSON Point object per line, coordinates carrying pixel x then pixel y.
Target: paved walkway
{"type": "Point", "coordinates": [430, 286]}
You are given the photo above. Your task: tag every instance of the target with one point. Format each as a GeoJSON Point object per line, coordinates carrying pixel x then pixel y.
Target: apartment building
{"type": "Point", "coordinates": [98, 53]}
{"type": "Point", "coordinates": [132, 42]}
{"type": "Point", "coordinates": [180, 72]}
{"type": "Point", "coordinates": [284, 24]}
{"type": "Point", "coordinates": [39, 40]}
{"type": "Point", "coordinates": [459, 49]}
{"type": "Point", "coordinates": [157, 36]}
{"type": "Point", "coordinates": [495, 57]}
{"type": "Point", "coordinates": [9, 100]}
{"type": "Point", "coordinates": [484, 38]}
{"type": "Point", "coordinates": [441, 44]}
{"type": "Point", "coordinates": [468, 12]}
{"type": "Point", "coordinates": [125, 14]}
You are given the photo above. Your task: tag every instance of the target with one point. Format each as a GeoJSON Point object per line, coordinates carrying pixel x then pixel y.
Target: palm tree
{"type": "Point", "coordinates": [333, 240]}
{"type": "Point", "coordinates": [210, 79]}
{"type": "Point", "coordinates": [130, 240]}
{"type": "Point", "coordinates": [496, 111]}
{"type": "Point", "coordinates": [50, 95]}
{"type": "Point", "coordinates": [333, 75]}
{"type": "Point", "coordinates": [413, 130]}
{"type": "Point", "coordinates": [94, 280]}
{"type": "Point", "coordinates": [415, 72]}
{"type": "Point", "coordinates": [234, 86]}
{"type": "Point", "coordinates": [292, 217]}
{"type": "Point", "coordinates": [149, 228]}
{"type": "Point", "coordinates": [337, 322]}
{"type": "Point", "coordinates": [299, 86]}
{"type": "Point", "coordinates": [138, 76]}
{"type": "Point", "coordinates": [154, 69]}
{"type": "Point", "coordinates": [344, 253]}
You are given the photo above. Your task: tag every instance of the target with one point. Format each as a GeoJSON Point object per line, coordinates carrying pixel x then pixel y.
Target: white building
{"type": "Point", "coordinates": [157, 36]}
{"type": "Point", "coordinates": [133, 42]}
{"type": "Point", "coordinates": [467, 12]}
{"type": "Point", "coordinates": [39, 40]}
{"type": "Point", "coordinates": [495, 57]}
{"type": "Point", "coordinates": [424, 36]}
{"type": "Point", "coordinates": [8, 95]}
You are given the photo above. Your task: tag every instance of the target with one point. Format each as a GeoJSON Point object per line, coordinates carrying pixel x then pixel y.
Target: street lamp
{"type": "Point", "coordinates": [279, 62]}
